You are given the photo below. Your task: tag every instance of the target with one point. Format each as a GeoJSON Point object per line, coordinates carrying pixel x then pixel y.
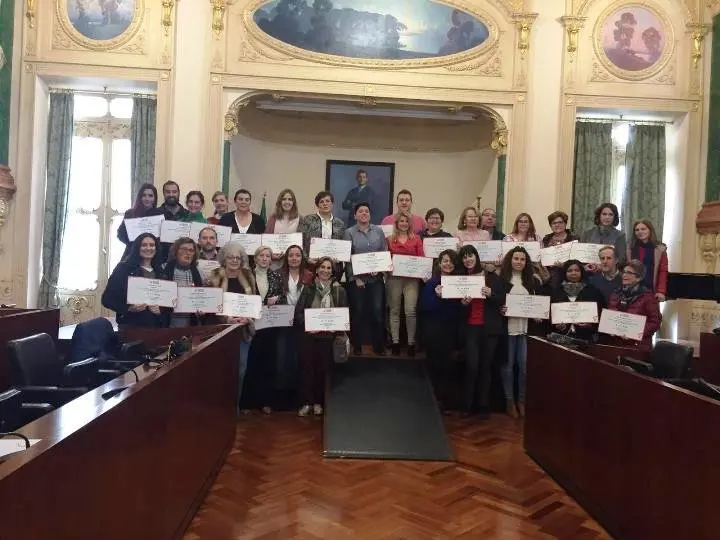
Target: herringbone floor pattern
{"type": "Point", "coordinates": [276, 486]}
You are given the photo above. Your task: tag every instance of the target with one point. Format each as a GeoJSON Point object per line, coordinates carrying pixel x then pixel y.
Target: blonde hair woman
{"type": "Point", "coordinates": [403, 241]}
{"type": "Point", "coordinates": [469, 227]}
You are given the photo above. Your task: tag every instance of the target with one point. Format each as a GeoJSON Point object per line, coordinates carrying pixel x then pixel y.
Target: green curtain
{"type": "Point", "coordinates": [142, 142]}
{"type": "Point", "coordinates": [592, 184]}
{"type": "Point", "coordinates": [6, 51]}
{"type": "Point", "coordinates": [57, 183]}
{"type": "Point", "coordinates": [645, 193]}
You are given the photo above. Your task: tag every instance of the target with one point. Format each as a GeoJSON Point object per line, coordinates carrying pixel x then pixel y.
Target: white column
{"type": "Point", "coordinates": [543, 112]}
{"type": "Point", "coordinates": [191, 76]}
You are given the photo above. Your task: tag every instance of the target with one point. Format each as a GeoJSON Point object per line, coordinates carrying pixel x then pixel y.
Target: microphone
{"type": "Point", "coordinates": [115, 391]}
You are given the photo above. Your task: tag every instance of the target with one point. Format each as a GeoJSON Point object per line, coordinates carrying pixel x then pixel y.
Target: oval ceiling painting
{"type": "Point", "coordinates": [372, 29]}
{"type": "Point", "coordinates": [101, 20]}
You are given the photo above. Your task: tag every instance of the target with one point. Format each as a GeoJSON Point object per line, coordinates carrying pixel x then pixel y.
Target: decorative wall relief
{"type": "Point", "coordinates": [633, 41]}
{"type": "Point", "coordinates": [379, 33]}
{"type": "Point", "coordinates": [100, 24]}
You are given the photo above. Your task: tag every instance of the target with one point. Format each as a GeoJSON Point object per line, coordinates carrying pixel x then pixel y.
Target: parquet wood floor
{"type": "Point", "coordinates": [275, 485]}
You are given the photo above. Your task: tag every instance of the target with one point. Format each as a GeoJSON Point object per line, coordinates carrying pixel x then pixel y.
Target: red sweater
{"type": "Point", "coordinates": [412, 246]}
{"type": "Point", "coordinates": [660, 278]}
{"type": "Point", "coordinates": [646, 304]}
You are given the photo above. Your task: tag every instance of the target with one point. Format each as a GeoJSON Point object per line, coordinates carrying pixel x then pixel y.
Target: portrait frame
{"type": "Point", "coordinates": [126, 35]}
{"type": "Point", "coordinates": [340, 179]}
{"type": "Point", "coordinates": [643, 12]}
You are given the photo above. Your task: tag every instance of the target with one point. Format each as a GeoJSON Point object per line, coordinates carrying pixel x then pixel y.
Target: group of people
{"type": "Point", "coordinates": [631, 277]}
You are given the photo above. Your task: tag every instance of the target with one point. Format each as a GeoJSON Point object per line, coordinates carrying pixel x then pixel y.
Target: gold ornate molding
{"type": "Point", "coordinates": [572, 26]}
{"type": "Point", "coordinates": [523, 23]}
{"type": "Point", "coordinates": [218, 16]}
{"type": "Point", "coordinates": [500, 141]}
{"type": "Point", "coordinates": [697, 32]}
{"type": "Point", "coordinates": [30, 13]}
{"type": "Point", "coordinates": [167, 18]}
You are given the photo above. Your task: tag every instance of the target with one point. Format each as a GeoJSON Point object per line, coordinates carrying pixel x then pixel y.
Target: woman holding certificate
{"type": "Point", "coordinates": [469, 227]}
{"type": "Point", "coordinates": [403, 241]}
{"type": "Point", "coordinates": [485, 326]}
{"type": "Point", "coordinates": [440, 317]}
{"type": "Point", "coordinates": [574, 288]}
{"type": "Point", "coordinates": [182, 269]}
{"type": "Point", "coordinates": [560, 235]}
{"type": "Point", "coordinates": [259, 384]}
{"type": "Point", "coordinates": [605, 231]}
{"type": "Point", "coordinates": [637, 299]}
{"type": "Point", "coordinates": [142, 261]}
{"type": "Point", "coordinates": [145, 205]}
{"type": "Point", "coordinates": [234, 276]}
{"type": "Point", "coordinates": [366, 288]}
{"type": "Point", "coordinates": [517, 273]}
{"type": "Point", "coordinates": [316, 348]}
{"type": "Point", "coordinates": [285, 220]}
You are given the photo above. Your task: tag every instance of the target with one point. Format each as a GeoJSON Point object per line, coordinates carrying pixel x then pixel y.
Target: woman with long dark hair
{"type": "Point", "coordinates": [142, 261]}
{"type": "Point", "coordinates": [440, 317]}
{"type": "Point", "coordinates": [146, 204]}
{"type": "Point", "coordinates": [606, 232]}
{"type": "Point", "coordinates": [523, 230]}
{"type": "Point", "coordinates": [485, 325]}
{"type": "Point", "coordinates": [517, 273]}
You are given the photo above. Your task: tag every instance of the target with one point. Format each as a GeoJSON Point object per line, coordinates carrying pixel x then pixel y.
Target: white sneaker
{"type": "Point", "coordinates": [317, 410]}
{"type": "Point", "coordinates": [304, 410]}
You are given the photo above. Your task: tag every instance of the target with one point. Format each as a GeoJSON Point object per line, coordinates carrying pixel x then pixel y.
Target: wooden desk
{"type": "Point", "coordinates": [707, 366]}
{"type": "Point", "coordinates": [135, 466]}
{"type": "Point", "coordinates": [21, 324]}
{"type": "Point", "coordinates": [639, 454]}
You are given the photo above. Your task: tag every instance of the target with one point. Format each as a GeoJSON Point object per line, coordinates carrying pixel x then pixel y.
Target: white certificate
{"type": "Point", "coordinates": [488, 250]}
{"type": "Point", "coordinates": [373, 261]}
{"type": "Point", "coordinates": [172, 230]}
{"type": "Point", "coordinates": [527, 306]}
{"type": "Point", "coordinates": [533, 249]}
{"type": "Point", "coordinates": [433, 247]}
{"type": "Point", "coordinates": [199, 299]}
{"type": "Point", "coordinates": [280, 242]}
{"type": "Point", "coordinates": [587, 253]}
{"type": "Point", "coordinates": [206, 267]}
{"type": "Point", "coordinates": [619, 323]}
{"type": "Point", "coordinates": [249, 242]}
{"type": "Point", "coordinates": [462, 286]}
{"type": "Point", "coordinates": [137, 226]}
{"type": "Point", "coordinates": [338, 250]}
{"type": "Point", "coordinates": [412, 267]}
{"type": "Point", "coordinates": [277, 316]}
{"type": "Point", "coordinates": [223, 233]}
{"type": "Point", "coordinates": [556, 254]}
{"type": "Point", "coordinates": [242, 305]}
{"type": "Point", "coordinates": [152, 292]}
{"type": "Point", "coordinates": [574, 312]}
{"type": "Point", "coordinates": [387, 229]}
{"type": "Point", "coordinates": [327, 320]}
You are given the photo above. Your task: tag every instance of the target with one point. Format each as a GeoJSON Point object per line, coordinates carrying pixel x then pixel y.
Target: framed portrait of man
{"type": "Point", "coordinates": [353, 182]}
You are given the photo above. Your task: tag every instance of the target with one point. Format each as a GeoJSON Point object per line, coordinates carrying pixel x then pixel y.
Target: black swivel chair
{"type": "Point", "coordinates": [14, 413]}
{"type": "Point", "coordinates": [39, 374]}
{"type": "Point", "coordinates": [668, 360]}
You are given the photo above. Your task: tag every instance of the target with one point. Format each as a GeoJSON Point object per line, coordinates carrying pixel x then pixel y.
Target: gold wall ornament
{"type": "Point", "coordinates": [77, 304]}
{"type": "Point", "coordinates": [697, 32]}
{"type": "Point", "coordinates": [523, 23]}
{"type": "Point", "coordinates": [499, 141]}
{"type": "Point", "coordinates": [218, 16]}
{"type": "Point", "coordinates": [7, 191]}
{"type": "Point", "coordinates": [167, 9]}
{"type": "Point", "coordinates": [231, 125]}
{"type": "Point", "coordinates": [30, 13]}
{"type": "Point", "coordinates": [572, 25]}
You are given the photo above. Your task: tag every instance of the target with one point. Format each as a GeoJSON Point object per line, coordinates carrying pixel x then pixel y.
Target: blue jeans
{"type": "Point", "coordinates": [517, 355]}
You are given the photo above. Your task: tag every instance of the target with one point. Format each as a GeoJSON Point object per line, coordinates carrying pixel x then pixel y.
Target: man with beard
{"type": "Point", "coordinates": [173, 210]}
{"type": "Point", "coordinates": [207, 240]}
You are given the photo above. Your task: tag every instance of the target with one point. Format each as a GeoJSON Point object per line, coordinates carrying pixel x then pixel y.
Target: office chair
{"type": "Point", "coordinates": [667, 361]}
{"type": "Point", "coordinates": [14, 413]}
{"type": "Point", "coordinates": [40, 375]}
{"type": "Point", "coordinates": [97, 339]}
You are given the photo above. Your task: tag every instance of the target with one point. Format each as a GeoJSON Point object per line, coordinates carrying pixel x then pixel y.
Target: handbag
{"type": "Point", "coordinates": [341, 348]}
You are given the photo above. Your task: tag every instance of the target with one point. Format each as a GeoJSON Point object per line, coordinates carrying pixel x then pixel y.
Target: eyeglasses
{"type": "Point", "coordinates": [187, 249]}
{"type": "Point", "coordinates": [630, 273]}
{"type": "Point", "coordinates": [233, 258]}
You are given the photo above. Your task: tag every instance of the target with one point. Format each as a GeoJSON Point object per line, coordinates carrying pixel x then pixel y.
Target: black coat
{"type": "Point", "coordinates": [587, 294]}
{"type": "Point", "coordinates": [495, 322]}
{"type": "Point", "coordinates": [114, 298]}
{"type": "Point", "coordinates": [122, 230]}
{"type": "Point", "coordinates": [308, 295]}
{"type": "Point", "coordinates": [275, 287]}
{"type": "Point", "coordinates": [257, 224]}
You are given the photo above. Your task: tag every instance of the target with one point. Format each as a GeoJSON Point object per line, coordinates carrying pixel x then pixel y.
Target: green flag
{"type": "Point", "coordinates": [263, 208]}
